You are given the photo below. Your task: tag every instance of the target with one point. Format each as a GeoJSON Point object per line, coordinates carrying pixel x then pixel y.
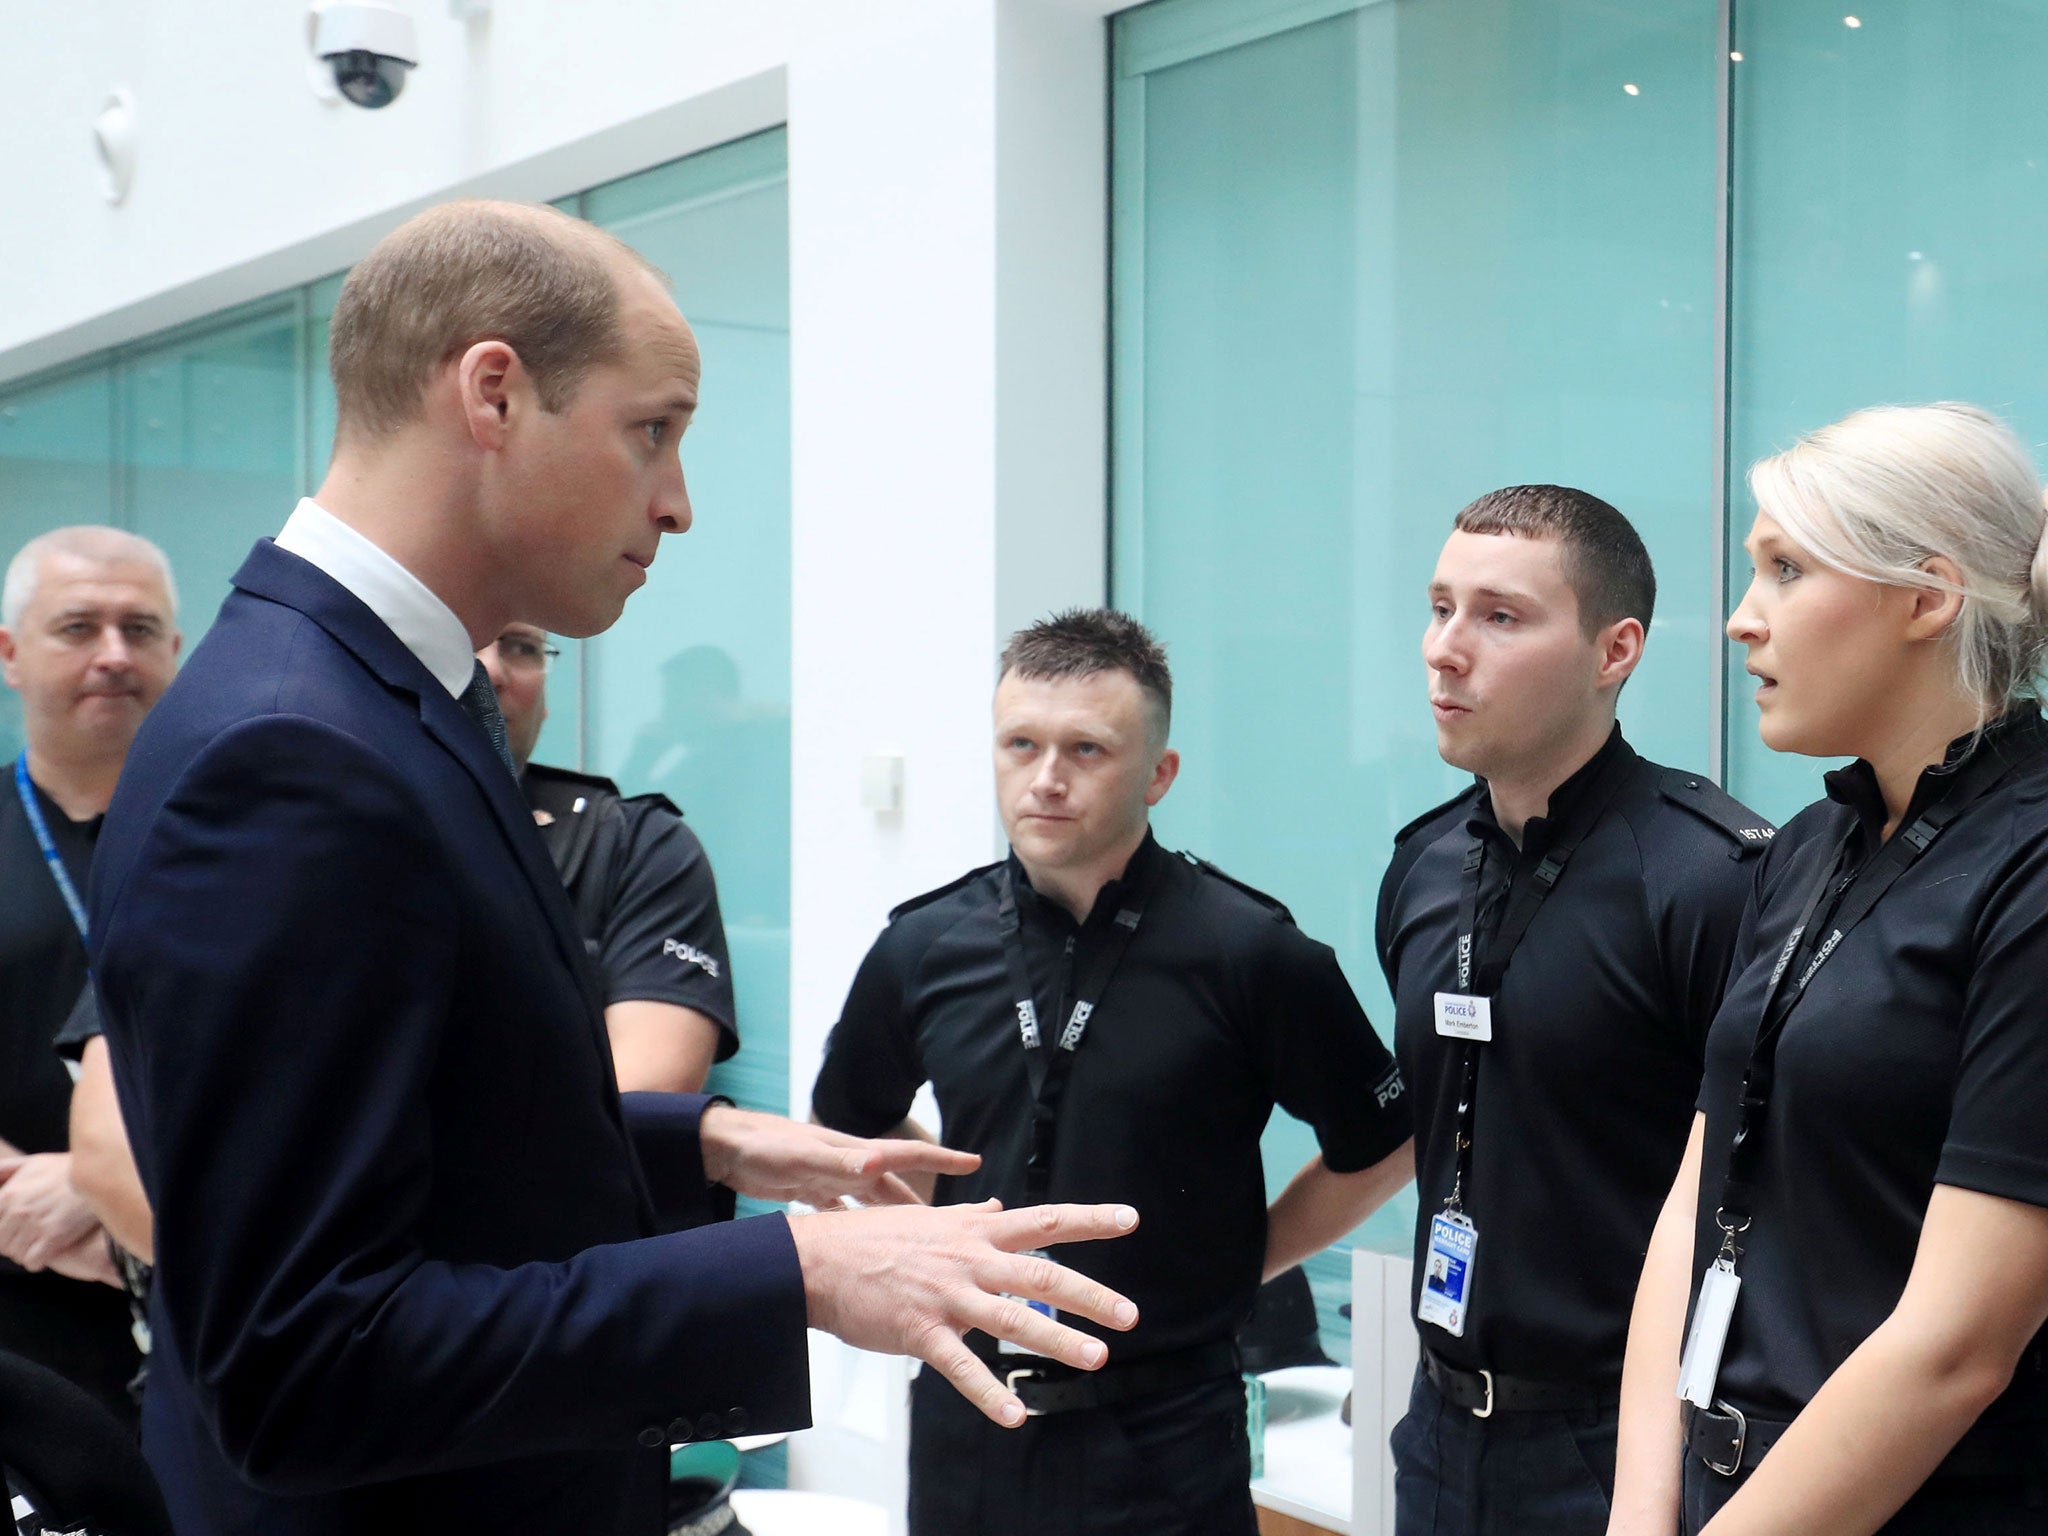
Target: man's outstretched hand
{"type": "Point", "coordinates": [913, 1281]}
{"type": "Point", "coordinates": [771, 1158]}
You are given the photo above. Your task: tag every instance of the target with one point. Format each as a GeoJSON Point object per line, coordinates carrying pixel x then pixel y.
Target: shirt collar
{"type": "Point", "coordinates": [2017, 732]}
{"type": "Point", "coordinates": [424, 624]}
{"type": "Point", "coordinates": [1540, 829]}
{"type": "Point", "coordinates": [1137, 871]}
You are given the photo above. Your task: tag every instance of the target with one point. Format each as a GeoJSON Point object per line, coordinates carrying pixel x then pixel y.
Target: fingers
{"type": "Point", "coordinates": [942, 1350]}
{"type": "Point", "coordinates": [1041, 1226]}
{"type": "Point", "coordinates": [1040, 1279]}
{"type": "Point", "coordinates": [916, 1157]}
{"type": "Point", "coordinates": [1005, 1317]}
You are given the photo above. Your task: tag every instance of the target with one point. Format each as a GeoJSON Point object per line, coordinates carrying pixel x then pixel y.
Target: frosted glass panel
{"type": "Point", "coordinates": [211, 439]}
{"type": "Point", "coordinates": [689, 692]}
{"type": "Point", "coordinates": [56, 468]}
{"type": "Point", "coordinates": [1368, 269]}
{"type": "Point", "coordinates": [1891, 210]}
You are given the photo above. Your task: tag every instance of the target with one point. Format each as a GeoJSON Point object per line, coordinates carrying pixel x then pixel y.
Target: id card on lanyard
{"type": "Point", "coordinates": [1055, 1065]}
{"type": "Point", "coordinates": [1466, 1016]}
{"type": "Point", "coordinates": [1848, 898]}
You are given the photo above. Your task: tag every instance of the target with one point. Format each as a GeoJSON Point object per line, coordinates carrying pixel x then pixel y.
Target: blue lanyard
{"type": "Point", "coordinates": [51, 857]}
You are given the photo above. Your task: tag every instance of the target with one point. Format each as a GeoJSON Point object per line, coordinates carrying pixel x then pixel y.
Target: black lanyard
{"type": "Point", "coordinates": [1057, 1064]}
{"type": "Point", "coordinates": [1480, 973]}
{"type": "Point", "coordinates": [1848, 897]}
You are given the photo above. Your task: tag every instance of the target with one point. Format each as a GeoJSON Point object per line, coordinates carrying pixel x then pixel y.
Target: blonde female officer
{"type": "Point", "coordinates": [1864, 1204]}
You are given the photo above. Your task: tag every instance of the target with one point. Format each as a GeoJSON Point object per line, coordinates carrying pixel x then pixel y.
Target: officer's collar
{"type": "Point", "coordinates": [1540, 829]}
{"type": "Point", "coordinates": [1138, 870]}
{"type": "Point", "coordinates": [2017, 733]}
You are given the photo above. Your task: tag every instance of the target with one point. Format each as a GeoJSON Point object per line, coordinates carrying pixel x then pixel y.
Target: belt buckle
{"type": "Point", "coordinates": [1741, 1439]}
{"type": "Point", "coordinates": [1024, 1373]}
{"type": "Point", "coordinates": [1487, 1411]}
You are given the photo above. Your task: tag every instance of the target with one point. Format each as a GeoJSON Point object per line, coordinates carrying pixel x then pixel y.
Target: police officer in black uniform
{"type": "Point", "coordinates": [1862, 1218]}
{"type": "Point", "coordinates": [1101, 1018]}
{"type": "Point", "coordinates": [88, 638]}
{"type": "Point", "coordinates": [1556, 938]}
{"type": "Point", "coordinates": [642, 887]}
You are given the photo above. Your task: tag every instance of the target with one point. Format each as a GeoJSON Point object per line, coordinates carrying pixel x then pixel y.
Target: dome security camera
{"type": "Point", "coordinates": [370, 47]}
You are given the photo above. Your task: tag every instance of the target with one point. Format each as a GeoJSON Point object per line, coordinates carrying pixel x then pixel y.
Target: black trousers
{"type": "Point", "coordinates": [1175, 1463]}
{"type": "Point", "coordinates": [1992, 1506]}
{"type": "Point", "coordinates": [79, 1329]}
{"type": "Point", "coordinates": [1514, 1474]}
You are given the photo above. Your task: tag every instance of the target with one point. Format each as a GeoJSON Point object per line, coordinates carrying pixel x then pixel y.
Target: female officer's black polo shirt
{"type": "Point", "coordinates": [1917, 1056]}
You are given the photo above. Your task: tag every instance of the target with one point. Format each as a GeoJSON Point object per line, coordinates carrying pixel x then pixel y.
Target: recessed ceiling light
{"type": "Point", "coordinates": [1632, 90]}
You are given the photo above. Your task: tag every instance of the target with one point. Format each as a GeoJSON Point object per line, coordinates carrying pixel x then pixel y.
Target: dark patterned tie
{"type": "Point", "coordinates": [480, 702]}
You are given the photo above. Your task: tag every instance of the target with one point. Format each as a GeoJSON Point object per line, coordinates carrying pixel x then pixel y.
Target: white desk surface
{"type": "Point", "coordinates": [1308, 1447]}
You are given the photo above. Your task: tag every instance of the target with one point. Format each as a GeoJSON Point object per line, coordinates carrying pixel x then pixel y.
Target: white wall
{"type": "Point", "coordinates": [947, 233]}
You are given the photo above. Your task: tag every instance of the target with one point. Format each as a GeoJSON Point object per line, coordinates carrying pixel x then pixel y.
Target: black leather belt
{"type": "Point", "coordinates": [1486, 1393]}
{"type": "Point", "coordinates": [1729, 1441]}
{"type": "Point", "coordinates": [1046, 1386]}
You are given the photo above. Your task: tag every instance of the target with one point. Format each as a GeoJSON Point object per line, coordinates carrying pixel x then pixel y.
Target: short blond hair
{"type": "Point", "coordinates": [1880, 491]}
{"type": "Point", "coordinates": [525, 274]}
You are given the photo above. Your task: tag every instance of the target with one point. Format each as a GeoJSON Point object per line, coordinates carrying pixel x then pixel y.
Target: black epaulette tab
{"type": "Point", "coordinates": [945, 890]}
{"type": "Point", "coordinates": [1272, 904]}
{"type": "Point", "coordinates": [656, 798]}
{"type": "Point", "coordinates": [569, 776]}
{"type": "Point", "coordinates": [1705, 799]}
{"type": "Point", "coordinates": [1469, 792]}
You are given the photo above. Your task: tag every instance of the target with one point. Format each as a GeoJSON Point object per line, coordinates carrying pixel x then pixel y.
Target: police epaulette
{"type": "Point", "coordinates": [657, 798]}
{"type": "Point", "coordinates": [945, 890]}
{"type": "Point", "coordinates": [1272, 904]}
{"type": "Point", "coordinates": [1467, 793]}
{"type": "Point", "coordinates": [547, 771]}
{"type": "Point", "coordinates": [1715, 806]}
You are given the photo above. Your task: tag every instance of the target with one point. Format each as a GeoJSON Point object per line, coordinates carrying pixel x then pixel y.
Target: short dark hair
{"type": "Point", "coordinates": [1081, 642]}
{"type": "Point", "coordinates": [1604, 558]}
{"type": "Point", "coordinates": [533, 277]}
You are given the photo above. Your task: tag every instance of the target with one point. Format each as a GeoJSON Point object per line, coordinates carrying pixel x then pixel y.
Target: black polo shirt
{"type": "Point", "coordinates": [643, 891]}
{"type": "Point", "coordinates": [1220, 1009]}
{"type": "Point", "coordinates": [1918, 1055]}
{"type": "Point", "coordinates": [1586, 1089]}
{"type": "Point", "coordinates": [42, 968]}
{"type": "Point", "coordinates": [76, 1327]}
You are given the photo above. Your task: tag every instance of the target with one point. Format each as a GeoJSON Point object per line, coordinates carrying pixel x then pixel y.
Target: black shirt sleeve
{"type": "Point", "coordinates": [82, 1025]}
{"type": "Point", "coordinates": [1997, 1136]}
{"type": "Point", "coordinates": [1701, 905]}
{"type": "Point", "coordinates": [1328, 1068]}
{"type": "Point", "coordinates": [870, 1073]}
{"type": "Point", "coordinates": [664, 940]}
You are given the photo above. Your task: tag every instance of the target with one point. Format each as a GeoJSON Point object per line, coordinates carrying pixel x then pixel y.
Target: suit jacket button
{"type": "Point", "coordinates": [736, 1421]}
{"type": "Point", "coordinates": [652, 1436]}
{"type": "Point", "coordinates": [708, 1427]}
{"type": "Point", "coordinates": [679, 1432]}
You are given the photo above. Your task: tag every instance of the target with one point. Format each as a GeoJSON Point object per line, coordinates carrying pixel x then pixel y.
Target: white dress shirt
{"type": "Point", "coordinates": [424, 624]}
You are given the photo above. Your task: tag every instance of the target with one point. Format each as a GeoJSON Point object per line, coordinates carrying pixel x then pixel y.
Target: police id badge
{"type": "Point", "coordinates": [1459, 1017]}
{"type": "Point", "coordinates": [1447, 1272]}
{"type": "Point", "coordinates": [1042, 1308]}
{"type": "Point", "coordinates": [1700, 1365]}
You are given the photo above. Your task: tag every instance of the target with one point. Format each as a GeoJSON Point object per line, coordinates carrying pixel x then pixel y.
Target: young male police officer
{"type": "Point", "coordinates": [89, 639]}
{"type": "Point", "coordinates": [1102, 1019]}
{"type": "Point", "coordinates": [1556, 938]}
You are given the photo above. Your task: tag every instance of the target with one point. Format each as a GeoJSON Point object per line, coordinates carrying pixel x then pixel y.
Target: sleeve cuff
{"type": "Point", "coordinates": [666, 1131]}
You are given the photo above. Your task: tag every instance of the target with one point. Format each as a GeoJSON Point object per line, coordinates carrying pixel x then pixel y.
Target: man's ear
{"type": "Point", "coordinates": [489, 382]}
{"type": "Point", "coordinates": [7, 654]}
{"type": "Point", "coordinates": [1621, 651]}
{"type": "Point", "coordinates": [1164, 772]}
{"type": "Point", "coordinates": [1934, 609]}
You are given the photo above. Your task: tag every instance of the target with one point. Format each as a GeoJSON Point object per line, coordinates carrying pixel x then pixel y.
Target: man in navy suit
{"type": "Point", "coordinates": [419, 1267]}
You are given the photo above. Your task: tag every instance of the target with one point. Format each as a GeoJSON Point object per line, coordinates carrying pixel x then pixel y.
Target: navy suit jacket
{"type": "Point", "coordinates": [419, 1267]}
